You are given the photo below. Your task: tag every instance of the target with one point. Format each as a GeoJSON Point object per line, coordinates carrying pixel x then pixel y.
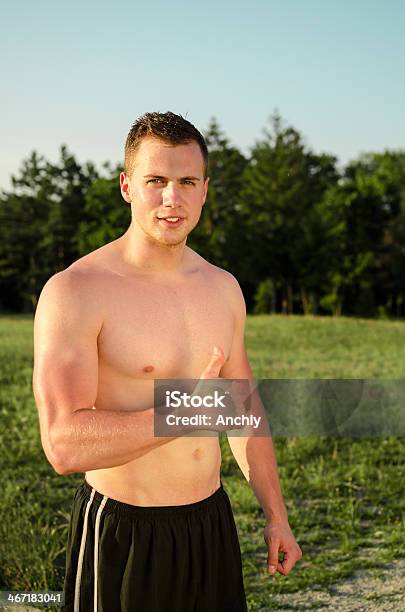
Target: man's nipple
{"type": "Point", "coordinates": [148, 368]}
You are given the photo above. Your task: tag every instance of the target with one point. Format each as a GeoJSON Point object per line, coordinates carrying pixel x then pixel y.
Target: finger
{"type": "Point", "coordinates": [287, 563]}
{"type": "Point", "coordinates": [216, 362]}
{"type": "Point", "coordinates": [272, 558]}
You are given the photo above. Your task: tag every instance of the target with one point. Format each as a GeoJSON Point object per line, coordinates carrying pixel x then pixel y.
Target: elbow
{"type": "Point", "coordinates": [58, 460]}
{"type": "Point", "coordinates": [56, 437]}
{"type": "Point", "coordinates": [59, 457]}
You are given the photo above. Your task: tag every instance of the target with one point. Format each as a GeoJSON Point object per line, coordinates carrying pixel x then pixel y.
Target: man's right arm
{"type": "Point", "coordinates": [75, 437]}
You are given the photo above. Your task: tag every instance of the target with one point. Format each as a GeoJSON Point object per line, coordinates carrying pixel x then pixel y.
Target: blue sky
{"type": "Point", "coordinates": [81, 72]}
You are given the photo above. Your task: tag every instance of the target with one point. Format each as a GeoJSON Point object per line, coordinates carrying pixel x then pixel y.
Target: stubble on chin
{"type": "Point", "coordinates": [159, 238]}
{"type": "Point", "coordinates": [175, 241]}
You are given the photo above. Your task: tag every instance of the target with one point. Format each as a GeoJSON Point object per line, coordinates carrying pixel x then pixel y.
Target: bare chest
{"type": "Point", "coordinates": [165, 330]}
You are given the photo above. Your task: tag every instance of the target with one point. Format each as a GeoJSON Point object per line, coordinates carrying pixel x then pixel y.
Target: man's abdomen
{"type": "Point", "coordinates": [182, 471]}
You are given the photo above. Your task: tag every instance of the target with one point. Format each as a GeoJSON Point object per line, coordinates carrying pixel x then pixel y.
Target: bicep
{"type": "Point", "coordinates": [65, 351]}
{"type": "Point", "coordinates": [237, 364]}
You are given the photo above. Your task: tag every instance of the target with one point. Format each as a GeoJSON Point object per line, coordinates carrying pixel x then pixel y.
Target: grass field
{"type": "Point", "coordinates": [345, 497]}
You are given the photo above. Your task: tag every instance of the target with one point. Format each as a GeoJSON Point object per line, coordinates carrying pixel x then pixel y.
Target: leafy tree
{"type": "Point", "coordinates": [218, 235]}
{"type": "Point", "coordinates": [264, 298]}
{"type": "Point", "coordinates": [283, 185]}
{"type": "Point", "coordinates": [40, 222]}
{"type": "Point", "coordinates": [370, 198]}
{"type": "Point", "coordinates": [106, 215]}
{"type": "Point", "coordinates": [389, 171]}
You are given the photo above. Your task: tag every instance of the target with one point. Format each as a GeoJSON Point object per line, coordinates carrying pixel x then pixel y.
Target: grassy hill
{"type": "Point", "coordinates": [345, 497]}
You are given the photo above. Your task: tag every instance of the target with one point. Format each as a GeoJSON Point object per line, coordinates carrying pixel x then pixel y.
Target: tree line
{"type": "Point", "coordinates": [300, 234]}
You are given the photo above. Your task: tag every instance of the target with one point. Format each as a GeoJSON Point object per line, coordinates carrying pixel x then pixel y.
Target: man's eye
{"type": "Point", "coordinates": [186, 182]}
{"type": "Point", "coordinates": [156, 180]}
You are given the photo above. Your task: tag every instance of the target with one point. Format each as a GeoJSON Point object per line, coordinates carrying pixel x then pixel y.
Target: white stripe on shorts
{"type": "Point", "coordinates": [81, 553]}
{"type": "Point", "coordinates": [96, 536]}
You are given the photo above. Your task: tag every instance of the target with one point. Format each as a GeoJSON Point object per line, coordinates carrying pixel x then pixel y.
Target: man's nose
{"type": "Point", "coordinates": [171, 195]}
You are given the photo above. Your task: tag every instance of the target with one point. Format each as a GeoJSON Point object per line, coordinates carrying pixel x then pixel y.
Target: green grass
{"type": "Point", "coordinates": [345, 497]}
{"type": "Point", "coordinates": [325, 347]}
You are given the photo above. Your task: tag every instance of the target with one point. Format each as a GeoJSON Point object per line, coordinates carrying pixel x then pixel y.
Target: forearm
{"type": "Point", "coordinates": [96, 439]}
{"type": "Point", "coordinates": [257, 461]}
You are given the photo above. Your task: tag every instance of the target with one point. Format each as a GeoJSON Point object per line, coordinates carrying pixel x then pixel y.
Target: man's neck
{"type": "Point", "coordinates": [144, 254]}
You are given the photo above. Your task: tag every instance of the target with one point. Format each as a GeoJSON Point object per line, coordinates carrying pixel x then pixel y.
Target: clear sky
{"type": "Point", "coordinates": [80, 72]}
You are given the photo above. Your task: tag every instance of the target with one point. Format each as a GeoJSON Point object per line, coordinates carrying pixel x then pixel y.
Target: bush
{"type": "Point", "coordinates": [264, 297]}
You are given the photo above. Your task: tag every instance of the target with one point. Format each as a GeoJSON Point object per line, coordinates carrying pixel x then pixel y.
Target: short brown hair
{"type": "Point", "coordinates": [169, 127]}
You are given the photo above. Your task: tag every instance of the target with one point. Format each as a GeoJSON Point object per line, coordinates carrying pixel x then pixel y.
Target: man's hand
{"type": "Point", "coordinates": [214, 367]}
{"type": "Point", "coordinates": [235, 406]}
{"type": "Point", "coordinates": [279, 538]}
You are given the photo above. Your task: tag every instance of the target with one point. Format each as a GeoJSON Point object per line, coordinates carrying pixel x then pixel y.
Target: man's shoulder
{"type": "Point", "coordinates": [225, 281]}
{"type": "Point", "coordinates": [82, 275]}
{"type": "Point", "coordinates": [93, 263]}
{"type": "Point", "coordinates": [225, 278]}
{"type": "Point", "coordinates": [71, 298]}
{"type": "Point", "coordinates": [73, 280]}
{"type": "Point", "coordinates": [82, 281]}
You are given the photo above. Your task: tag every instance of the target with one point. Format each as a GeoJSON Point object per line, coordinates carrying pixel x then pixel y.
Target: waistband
{"type": "Point", "coordinates": [120, 508]}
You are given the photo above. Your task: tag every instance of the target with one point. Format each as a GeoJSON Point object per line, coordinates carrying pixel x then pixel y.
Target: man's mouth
{"type": "Point", "coordinates": [171, 221]}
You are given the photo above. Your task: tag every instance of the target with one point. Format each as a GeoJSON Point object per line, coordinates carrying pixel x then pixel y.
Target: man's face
{"type": "Point", "coordinates": [167, 189]}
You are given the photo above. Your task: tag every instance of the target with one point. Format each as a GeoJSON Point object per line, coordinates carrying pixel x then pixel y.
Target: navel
{"type": "Point", "coordinates": [198, 454]}
{"type": "Point", "coordinates": [148, 368]}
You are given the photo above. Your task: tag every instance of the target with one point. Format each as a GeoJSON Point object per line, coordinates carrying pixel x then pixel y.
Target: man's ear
{"type": "Point", "coordinates": [207, 180]}
{"type": "Point", "coordinates": [125, 188]}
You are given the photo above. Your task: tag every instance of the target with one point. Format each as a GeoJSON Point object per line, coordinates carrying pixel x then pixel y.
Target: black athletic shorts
{"type": "Point", "coordinates": [124, 558]}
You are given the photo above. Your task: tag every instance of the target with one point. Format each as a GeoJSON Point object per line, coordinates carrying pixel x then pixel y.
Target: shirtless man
{"type": "Point", "coordinates": [151, 526]}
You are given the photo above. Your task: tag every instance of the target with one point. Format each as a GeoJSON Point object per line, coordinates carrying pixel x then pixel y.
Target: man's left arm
{"type": "Point", "coordinates": [255, 454]}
